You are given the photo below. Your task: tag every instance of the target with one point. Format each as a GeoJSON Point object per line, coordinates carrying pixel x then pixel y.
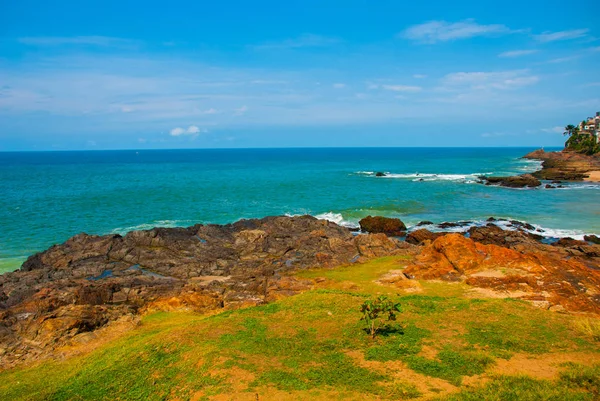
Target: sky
{"type": "Point", "coordinates": [237, 74]}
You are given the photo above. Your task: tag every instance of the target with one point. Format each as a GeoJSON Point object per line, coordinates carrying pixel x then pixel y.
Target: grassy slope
{"type": "Point", "coordinates": [313, 346]}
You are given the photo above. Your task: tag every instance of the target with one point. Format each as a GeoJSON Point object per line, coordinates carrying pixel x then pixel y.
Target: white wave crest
{"type": "Point", "coordinates": [336, 218]}
{"type": "Point", "coordinates": [150, 226]}
{"type": "Point", "coordinates": [465, 178]}
{"type": "Point", "coordinates": [509, 226]}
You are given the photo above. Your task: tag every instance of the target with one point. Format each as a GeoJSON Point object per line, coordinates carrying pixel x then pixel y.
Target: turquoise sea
{"type": "Point", "coordinates": [46, 197]}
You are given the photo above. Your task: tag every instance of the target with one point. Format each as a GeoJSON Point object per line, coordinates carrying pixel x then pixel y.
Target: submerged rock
{"type": "Point", "coordinates": [385, 225]}
{"type": "Point", "coordinates": [517, 181]}
{"type": "Point", "coordinates": [380, 174]}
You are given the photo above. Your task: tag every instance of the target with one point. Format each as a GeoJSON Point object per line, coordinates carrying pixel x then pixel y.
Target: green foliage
{"type": "Point", "coordinates": [583, 143]}
{"type": "Point", "coordinates": [520, 388]}
{"type": "Point", "coordinates": [378, 312]}
{"type": "Point", "coordinates": [582, 377]}
{"type": "Point", "coordinates": [397, 347]}
{"type": "Point", "coordinates": [451, 364]}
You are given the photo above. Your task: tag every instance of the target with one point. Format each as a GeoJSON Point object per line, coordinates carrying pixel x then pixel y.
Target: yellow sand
{"type": "Point", "coordinates": [593, 176]}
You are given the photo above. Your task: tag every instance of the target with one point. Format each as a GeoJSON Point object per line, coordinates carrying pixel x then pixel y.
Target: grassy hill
{"type": "Point", "coordinates": [452, 345]}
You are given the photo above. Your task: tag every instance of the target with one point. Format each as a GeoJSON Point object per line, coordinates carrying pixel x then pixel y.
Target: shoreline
{"type": "Point", "coordinates": [89, 282]}
{"type": "Point", "coordinates": [460, 226]}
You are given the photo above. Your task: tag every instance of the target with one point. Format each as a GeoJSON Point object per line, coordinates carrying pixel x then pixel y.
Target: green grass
{"type": "Point", "coordinates": [314, 344]}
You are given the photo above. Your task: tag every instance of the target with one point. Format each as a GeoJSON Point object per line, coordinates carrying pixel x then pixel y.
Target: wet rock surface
{"type": "Point", "coordinates": [90, 281]}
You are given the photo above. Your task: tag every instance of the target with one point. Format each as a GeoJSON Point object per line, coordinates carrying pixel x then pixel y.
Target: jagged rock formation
{"type": "Point", "coordinates": [560, 278]}
{"type": "Point", "coordinates": [72, 291]}
{"type": "Point", "coordinates": [90, 281]}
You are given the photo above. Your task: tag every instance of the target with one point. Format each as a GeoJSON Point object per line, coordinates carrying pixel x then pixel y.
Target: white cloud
{"type": "Point", "coordinates": [562, 59]}
{"type": "Point", "coordinates": [489, 80]}
{"type": "Point", "coordinates": [443, 31]}
{"type": "Point", "coordinates": [339, 86]}
{"type": "Point", "coordinates": [240, 111]}
{"type": "Point", "coordinates": [419, 76]}
{"type": "Point", "coordinates": [517, 53]}
{"type": "Point", "coordinates": [101, 41]}
{"type": "Point", "coordinates": [401, 88]}
{"type": "Point", "coordinates": [562, 35]}
{"type": "Point", "coordinates": [493, 134]}
{"type": "Point", "coordinates": [395, 88]}
{"type": "Point", "coordinates": [305, 40]}
{"type": "Point", "coordinates": [142, 140]}
{"type": "Point", "coordinates": [191, 130]}
{"type": "Point", "coordinates": [210, 111]}
{"type": "Point", "coordinates": [553, 130]}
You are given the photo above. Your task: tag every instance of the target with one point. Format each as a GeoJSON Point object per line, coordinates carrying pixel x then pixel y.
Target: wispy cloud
{"type": "Point", "coordinates": [489, 80]}
{"type": "Point", "coordinates": [443, 31]}
{"type": "Point", "coordinates": [518, 53]}
{"type": "Point", "coordinates": [339, 86]}
{"type": "Point", "coordinates": [305, 40]}
{"type": "Point", "coordinates": [240, 111]}
{"type": "Point", "coordinates": [553, 130]}
{"type": "Point", "coordinates": [191, 130]}
{"type": "Point", "coordinates": [561, 35]}
{"type": "Point", "coordinates": [562, 59]}
{"type": "Point", "coordinates": [401, 88]}
{"type": "Point", "coordinates": [419, 76]}
{"type": "Point", "coordinates": [100, 41]}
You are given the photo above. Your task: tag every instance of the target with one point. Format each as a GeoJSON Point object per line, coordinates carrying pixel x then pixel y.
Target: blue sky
{"type": "Point", "coordinates": [124, 75]}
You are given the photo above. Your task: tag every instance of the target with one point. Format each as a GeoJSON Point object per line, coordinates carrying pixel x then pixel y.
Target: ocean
{"type": "Point", "coordinates": [47, 197]}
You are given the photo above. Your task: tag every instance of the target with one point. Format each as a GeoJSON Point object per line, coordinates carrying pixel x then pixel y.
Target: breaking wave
{"type": "Point", "coordinates": [464, 178]}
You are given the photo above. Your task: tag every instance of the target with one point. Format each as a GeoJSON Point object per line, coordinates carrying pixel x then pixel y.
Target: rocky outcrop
{"type": "Point", "coordinates": [564, 165]}
{"type": "Point", "coordinates": [594, 239]}
{"type": "Point", "coordinates": [422, 235]}
{"type": "Point", "coordinates": [517, 181]}
{"type": "Point", "coordinates": [384, 225]}
{"type": "Point", "coordinates": [91, 281]}
{"type": "Point", "coordinates": [494, 235]}
{"type": "Point", "coordinates": [550, 279]}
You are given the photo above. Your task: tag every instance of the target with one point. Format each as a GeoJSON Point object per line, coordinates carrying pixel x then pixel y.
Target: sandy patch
{"type": "Point", "coordinates": [546, 366]}
{"type": "Point", "coordinates": [594, 176]}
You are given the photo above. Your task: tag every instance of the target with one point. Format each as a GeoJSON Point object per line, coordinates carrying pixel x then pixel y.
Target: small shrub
{"type": "Point", "coordinates": [589, 327]}
{"type": "Point", "coordinates": [377, 313]}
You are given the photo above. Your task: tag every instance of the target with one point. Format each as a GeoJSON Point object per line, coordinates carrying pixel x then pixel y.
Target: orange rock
{"type": "Point", "coordinates": [536, 273]}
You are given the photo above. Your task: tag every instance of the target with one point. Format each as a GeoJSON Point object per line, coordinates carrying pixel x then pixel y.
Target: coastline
{"type": "Point", "coordinates": [90, 281]}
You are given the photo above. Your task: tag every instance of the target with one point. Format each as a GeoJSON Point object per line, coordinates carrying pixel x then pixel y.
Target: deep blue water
{"type": "Point", "coordinates": [46, 197]}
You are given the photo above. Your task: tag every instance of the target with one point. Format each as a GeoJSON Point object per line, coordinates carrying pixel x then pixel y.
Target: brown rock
{"type": "Point", "coordinates": [592, 238]}
{"type": "Point", "coordinates": [517, 181]}
{"type": "Point", "coordinates": [536, 273]}
{"type": "Point", "coordinates": [419, 236]}
{"type": "Point", "coordinates": [385, 225]}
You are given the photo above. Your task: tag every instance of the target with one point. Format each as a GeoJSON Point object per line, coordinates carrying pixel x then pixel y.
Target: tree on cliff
{"type": "Point", "coordinates": [570, 129]}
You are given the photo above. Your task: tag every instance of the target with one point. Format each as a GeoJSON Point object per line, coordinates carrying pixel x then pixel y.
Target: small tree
{"type": "Point", "coordinates": [378, 312]}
